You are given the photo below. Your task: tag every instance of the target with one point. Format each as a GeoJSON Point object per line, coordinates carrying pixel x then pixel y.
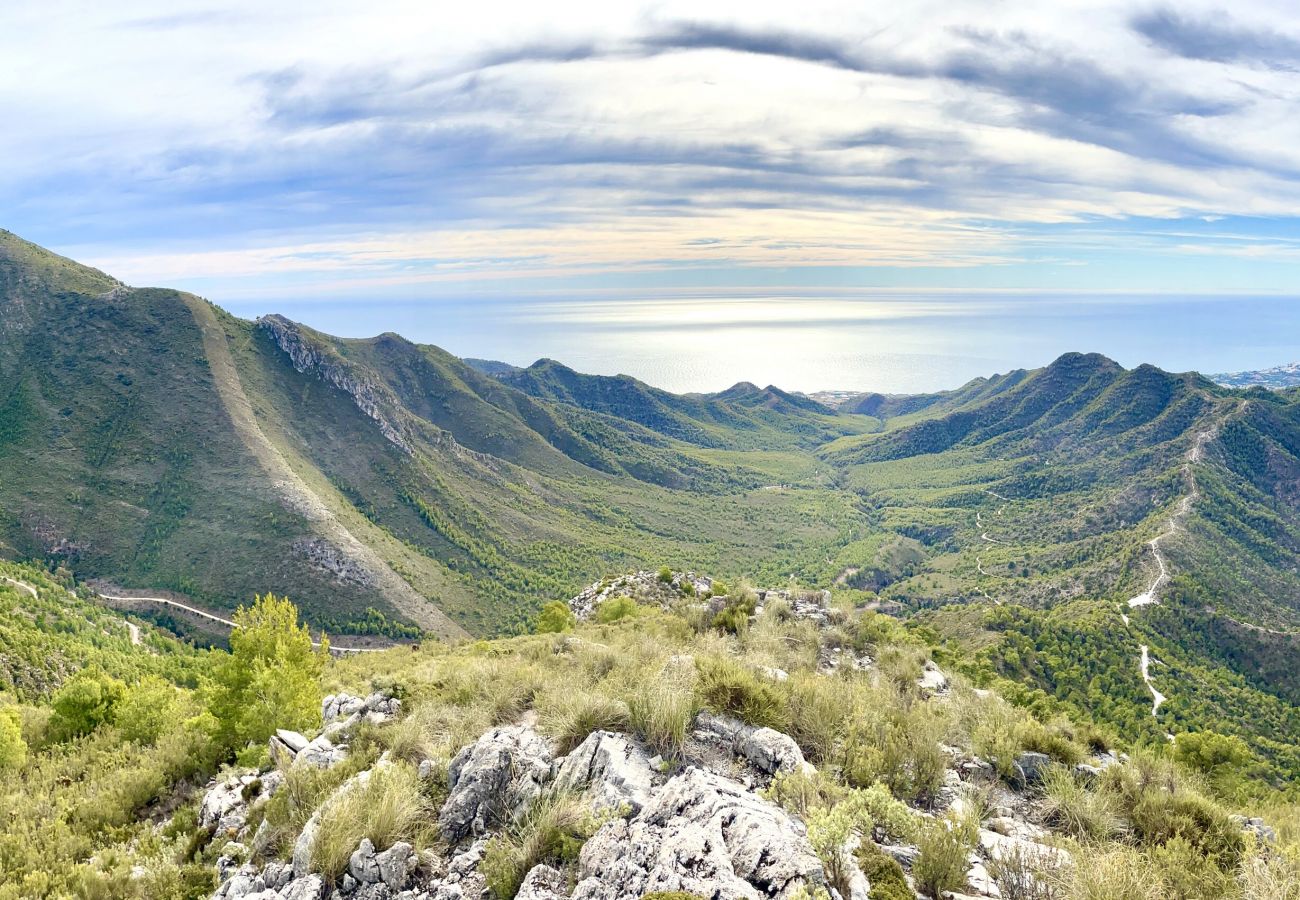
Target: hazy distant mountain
{"type": "Point", "coordinates": [1283, 376]}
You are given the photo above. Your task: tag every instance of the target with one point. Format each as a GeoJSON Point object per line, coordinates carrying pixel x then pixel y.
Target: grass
{"type": "Point", "coordinates": [389, 807]}
{"type": "Point", "coordinates": [553, 831]}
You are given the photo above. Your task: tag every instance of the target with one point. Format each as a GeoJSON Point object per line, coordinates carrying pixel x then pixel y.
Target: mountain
{"type": "Point", "coordinates": [1051, 528]}
{"type": "Point", "coordinates": [741, 417]}
{"type": "Point", "coordinates": [1277, 377]}
{"type": "Point", "coordinates": [154, 442]}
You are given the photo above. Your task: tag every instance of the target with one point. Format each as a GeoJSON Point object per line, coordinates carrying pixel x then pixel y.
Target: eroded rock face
{"type": "Point", "coordinates": [494, 780]}
{"type": "Point", "coordinates": [702, 834]}
{"type": "Point", "coordinates": [616, 771]}
{"type": "Point", "coordinates": [543, 883]}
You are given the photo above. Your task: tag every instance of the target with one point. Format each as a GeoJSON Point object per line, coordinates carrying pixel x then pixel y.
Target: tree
{"type": "Point", "coordinates": [150, 707]}
{"type": "Point", "coordinates": [86, 702]}
{"type": "Point", "coordinates": [13, 750]}
{"type": "Point", "coordinates": [271, 679]}
{"type": "Point", "coordinates": [555, 617]}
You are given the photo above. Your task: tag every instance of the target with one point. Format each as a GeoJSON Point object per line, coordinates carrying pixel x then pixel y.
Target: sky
{"type": "Point", "coordinates": [433, 164]}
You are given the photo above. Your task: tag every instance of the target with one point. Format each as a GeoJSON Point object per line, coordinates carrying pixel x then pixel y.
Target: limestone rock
{"type": "Point", "coordinates": [615, 770]}
{"type": "Point", "coordinates": [702, 834]}
{"type": "Point", "coordinates": [543, 883]}
{"type": "Point", "coordinates": [495, 779]}
{"type": "Point", "coordinates": [1031, 767]}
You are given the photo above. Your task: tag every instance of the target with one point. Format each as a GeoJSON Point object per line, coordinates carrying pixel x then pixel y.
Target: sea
{"type": "Point", "coordinates": [887, 342]}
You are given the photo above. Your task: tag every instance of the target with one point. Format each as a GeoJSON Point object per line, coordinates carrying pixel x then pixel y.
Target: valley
{"type": "Point", "coordinates": [395, 491]}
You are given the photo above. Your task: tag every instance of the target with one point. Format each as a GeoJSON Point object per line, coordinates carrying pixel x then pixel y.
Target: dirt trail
{"type": "Point", "coordinates": [1181, 511]}
{"type": "Point", "coordinates": [1144, 664]}
{"type": "Point", "coordinates": [21, 585]}
{"type": "Point", "coordinates": [134, 630]}
{"type": "Point", "coordinates": [294, 492]}
{"type": "Point", "coordinates": [1183, 508]}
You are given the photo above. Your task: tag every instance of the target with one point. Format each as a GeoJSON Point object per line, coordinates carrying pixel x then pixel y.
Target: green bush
{"type": "Point", "coordinates": [555, 618]}
{"type": "Point", "coordinates": [660, 712]}
{"type": "Point", "coordinates": [13, 749]}
{"type": "Point", "coordinates": [271, 678]}
{"type": "Point", "coordinates": [945, 845]}
{"type": "Point", "coordinates": [665, 575]}
{"type": "Point", "coordinates": [1069, 806]}
{"type": "Point", "coordinates": [86, 702]}
{"type": "Point", "coordinates": [553, 832]}
{"type": "Point", "coordinates": [389, 807]}
{"type": "Point", "coordinates": [150, 707]}
{"type": "Point", "coordinates": [616, 609]}
{"type": "Point", "coordinates": [728, 686]}
{"type": "Point", "coordinates": [883, 873]}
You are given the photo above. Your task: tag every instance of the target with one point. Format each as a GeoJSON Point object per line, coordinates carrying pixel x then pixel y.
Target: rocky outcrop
{"type": "Point", "coordinates": [703, 834]}
{"type": "Point", "coordinates": [370, 396]}
{"type": "Point", "coordinates": [644, 587]}
{"type": "Point", "coordinates": [328, 558]}
{"type": "Point", "coordinates": [767, 750]}
{"type": "Point", "coordinates": [814, 606]}
{"type": "Point", "coordinates": [494, 780]}
{"type": "Point", "coordinates": [612, 769]}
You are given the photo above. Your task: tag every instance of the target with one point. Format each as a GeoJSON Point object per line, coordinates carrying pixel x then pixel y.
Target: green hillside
{"type": "Point", "coordinates": [154, 443]}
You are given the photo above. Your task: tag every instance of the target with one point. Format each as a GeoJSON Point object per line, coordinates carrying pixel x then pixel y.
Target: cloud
{"type": "Point", "coordinates": [670, 139]}
{"type": "Point", "coordinates": [1216, 38]}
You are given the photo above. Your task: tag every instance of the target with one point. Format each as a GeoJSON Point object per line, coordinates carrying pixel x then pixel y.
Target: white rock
{"type": "Point", "coordinates": [494, 779]}
{"type": "Point", "coordinates": [614, 769]}
{"type": "Point", "coordinates": [702, 834]}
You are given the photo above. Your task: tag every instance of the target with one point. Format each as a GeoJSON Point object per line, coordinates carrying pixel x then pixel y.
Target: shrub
{"type": "Point", "coordinates": [728, 686]}
{"type": "Point", "coordinates": [665, 575]}
{"type": "Point", "coordinates": [13, 749]}
{"type": "Point", "coordinates": [1187, 873]}
{"type": "Point", "coordinates": [1070, 807]}
{"type": "Point", "coordinates": [945, 845]}
{"type": "Point", "coordinates": [86, 702]}
{"type": "Point", "coordinates": [818, 708]}
{"type": "Point", "coordinates": [829, 829]}
{"type": "Point", "coordinates": [661, 712]}
{"type": "Point", "coordinates": [800, 792]}
{"type": "Point", "coordinates": [1271, 877]}
{"type": "Point", "coordinates": [150, 707]}
{"type": "Point", "coordinates": [1024, 874]}
{"type": "Point", "coordinates": [271, 678]}
{"type": "Point", "coordinates": [734, 617]}
{"type": "Point", "coordinates": [572, 715]}
{"type": "Point", "coordinates": [555, 618]}
{"type": "Point", "coordinates": [616, 609]}
{"type": "Point", "coordinates": [898, 745]}
{"type": "Point", "coordinates": [1117, 874]}
{"type": "Point", "coordinates": [883, 873]}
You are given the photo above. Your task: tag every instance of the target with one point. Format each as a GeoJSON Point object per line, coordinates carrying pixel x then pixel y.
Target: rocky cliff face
{"type": "Point", "coordinates": [372, 398]}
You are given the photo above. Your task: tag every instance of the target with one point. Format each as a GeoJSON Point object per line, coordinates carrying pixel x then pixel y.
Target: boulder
{"type": "Point", "coordinates": [771, 751]}
{"type": "Point", "coordinates": [543, 883]}
{"type": "Point", "coordinates": [932, 680]}
{"type": "Point", "coordinates": [396, 865]}
{"type": "Point", "coordinates": [321, 753]}
{"type": "Point", "coordinates": [765, 749]}
{"type": "Point", "coordinates": [616, 771]}
{"type": "Point", "coordinates": [362, 866]}
{"type": "Point", "coordinates": [1031, 767]}
{"type": "Point", "coordinates": [702, 834]}
{"type": "Point", "coordinates": [494, 780]}
{"type": "Point", "coordinates": [312, 887]}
